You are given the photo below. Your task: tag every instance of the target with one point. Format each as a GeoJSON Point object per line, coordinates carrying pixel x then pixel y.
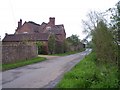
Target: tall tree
{"type": "Point", "coordinates": [74, 40]}
{"type": "Point", "coordinates": [90, 24]}
{"type": "Point", "coordinates": [51, 43]}
{"type": "Point", "coordinates": [104, 43]}
{"type": "Point", "coordinates": [102, 38]}
{"type": "Point", "coordinates": [115, 21]}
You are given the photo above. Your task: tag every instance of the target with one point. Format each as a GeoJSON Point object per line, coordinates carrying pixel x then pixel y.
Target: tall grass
{"type": "Point", "coordinates": [87, 74]}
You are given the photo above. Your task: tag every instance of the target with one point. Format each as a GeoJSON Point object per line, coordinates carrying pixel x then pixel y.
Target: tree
{"type": "Point", "coordinates": [102, 38]}
{"type": "Point", "coordinates": [115, 24]}
{"type": "Point", "coordinates": [41, 48]}
{"type": "Point", "coordinates": [90, 25]}
{"type": "Point", "coordinates": [74, 40]}
{"type": "Point", "coordinates": [51, 44]}
{"type": "Point", "coordinates": [89, 44]}
{"type": "Point", "coordinates": [65, 46]}
{"type": "Point", "coordinates": [104, 43]}
{"type": "Point", "coordinates": [115, 21]}
{"type": "Point", "coordinates": [59, 47]}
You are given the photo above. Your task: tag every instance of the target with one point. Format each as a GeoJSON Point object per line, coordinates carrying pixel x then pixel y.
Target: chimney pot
{"type": "Point", "coordinates": [20, 23]}
{"type": "Point", "coordinates": [6, 34]}
{"type": "Point", "coordinates": [52, 21]}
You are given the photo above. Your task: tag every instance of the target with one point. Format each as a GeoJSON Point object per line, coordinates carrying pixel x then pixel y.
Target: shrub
{"type": "Point", "coordinates": [87, 74]}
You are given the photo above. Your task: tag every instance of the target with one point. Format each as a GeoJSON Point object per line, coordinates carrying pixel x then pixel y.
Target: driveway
{"type": "Point", "coordinates": [45, 74]}
{"type": "Point", "coordinates": [49, 56]}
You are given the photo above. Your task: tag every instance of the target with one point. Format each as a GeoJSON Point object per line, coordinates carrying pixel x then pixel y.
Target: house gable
{"type": "Point", "coordinates": [28, 28]}
{"type": "Point", "coordinates": [32, 28]}
{"type": "Point", "coordinates": [32, 31]}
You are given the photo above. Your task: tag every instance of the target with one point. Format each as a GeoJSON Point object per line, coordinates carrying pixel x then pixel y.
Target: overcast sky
{"type": "Point", "coordinates": [67, 12]}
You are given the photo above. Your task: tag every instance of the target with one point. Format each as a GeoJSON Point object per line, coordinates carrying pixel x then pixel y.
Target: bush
{"type": "Point", "coordinates": [87, 74]}
{"type": "Point", "coordinates": [104, 44]}
{"type": "Point", "coordinates": [42, 48]}
{"type": "Point", "coordinates": [59, 47]}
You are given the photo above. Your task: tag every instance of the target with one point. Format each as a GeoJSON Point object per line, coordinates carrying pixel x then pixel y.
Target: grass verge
{"type": "Point", "coordinates": [68, 53]}
{"type": "Point", "coordinates": [22, 63]}
{"type": "Point", "coordinates": [87, 74]}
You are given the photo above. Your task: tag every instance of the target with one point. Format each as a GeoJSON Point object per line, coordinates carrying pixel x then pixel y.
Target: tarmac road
{"type": "Point", "coordinates": [45, 74]}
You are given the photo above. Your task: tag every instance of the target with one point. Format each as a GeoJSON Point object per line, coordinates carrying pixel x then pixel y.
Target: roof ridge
{"type": "Point", "coordinates": [33, 23]}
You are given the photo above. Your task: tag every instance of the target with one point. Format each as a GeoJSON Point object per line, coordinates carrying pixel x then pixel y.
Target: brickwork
{"type": "Point", "coordinates": [21, 45]}
{"type": "Point", "coordinates": [0, 54]}
{"type": "Point", "coordinates": [11, 54]}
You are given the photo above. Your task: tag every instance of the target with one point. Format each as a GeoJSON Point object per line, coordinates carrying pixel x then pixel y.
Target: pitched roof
{"type": "Point", "coordinates": [57, 29]}
{"type": "Point", "coordinates": [29, 37]}
{"type": "Point", "coordinates": [37, 28]}
{"type": "Point", "coordinates": [42, 27]}
{"type": "Point", "coordinates": [33, 26]}
{"type": "Point", "coordinates": [33, 31]}
{"type": "Point", "coordinates": [34, 23]}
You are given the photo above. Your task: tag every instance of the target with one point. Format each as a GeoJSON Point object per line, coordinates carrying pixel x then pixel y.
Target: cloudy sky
{"type": "Point", "coordinates": [67, 12]}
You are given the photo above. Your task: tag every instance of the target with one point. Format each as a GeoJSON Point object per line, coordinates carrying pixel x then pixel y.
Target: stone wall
{"type": "Point", "coordinates": [11, 54]}
{"type": "Point", "coordinates": [0, 55]}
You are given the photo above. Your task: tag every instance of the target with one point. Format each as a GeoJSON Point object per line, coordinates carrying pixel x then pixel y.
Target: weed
{"type": "Point", "coordinates": [86, 74]}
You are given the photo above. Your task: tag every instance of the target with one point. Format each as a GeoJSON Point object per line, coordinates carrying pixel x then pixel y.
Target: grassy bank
{"type": "Point", "coordinates": [87, 75]}
{"type": "Point", "coordinates": [68, 53]}
{"type": "Point", "coordinates": [22, 63]}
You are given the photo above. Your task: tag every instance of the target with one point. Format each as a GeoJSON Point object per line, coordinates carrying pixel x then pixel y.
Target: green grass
{"type": "Point", "coordinates": [68, 53]}
{"type": "Point", "coordinates": [87, 75]}
{"type": "Point", "coordinates": [22, 63]}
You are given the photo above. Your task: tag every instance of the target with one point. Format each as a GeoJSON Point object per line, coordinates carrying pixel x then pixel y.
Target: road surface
{"type": "Point", "coordinates": [45, 74]}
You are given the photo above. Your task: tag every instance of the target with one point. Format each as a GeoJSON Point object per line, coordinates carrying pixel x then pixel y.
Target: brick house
{"type": "Point", "coordinates": [31, 32]}
{"type": "Point", "coordinates": [45, 28]}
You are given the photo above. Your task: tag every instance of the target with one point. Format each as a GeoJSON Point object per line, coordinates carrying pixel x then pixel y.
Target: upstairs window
{"type": "Point", "coordinates": [48, 28]}
{"type": "Point", "coordinates": [25, 32]}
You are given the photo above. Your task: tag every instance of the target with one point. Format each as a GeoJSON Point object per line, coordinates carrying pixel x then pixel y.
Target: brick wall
{"type": "Point", "coordinates": [11, 54]}
{"type": "Point", "coordinates": [0, 54]}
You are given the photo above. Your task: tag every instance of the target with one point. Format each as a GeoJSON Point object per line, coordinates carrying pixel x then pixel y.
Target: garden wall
{"type": "Point", "coordinates": [11, 54]}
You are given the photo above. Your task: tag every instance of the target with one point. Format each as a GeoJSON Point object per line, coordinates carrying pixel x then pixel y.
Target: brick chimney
{"type": "Point", "coordinates": [52, 21]}
{"type": "Point", "coordinates": [6, 34]}
{"type": "Point", "coordinates": [20, 24]}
